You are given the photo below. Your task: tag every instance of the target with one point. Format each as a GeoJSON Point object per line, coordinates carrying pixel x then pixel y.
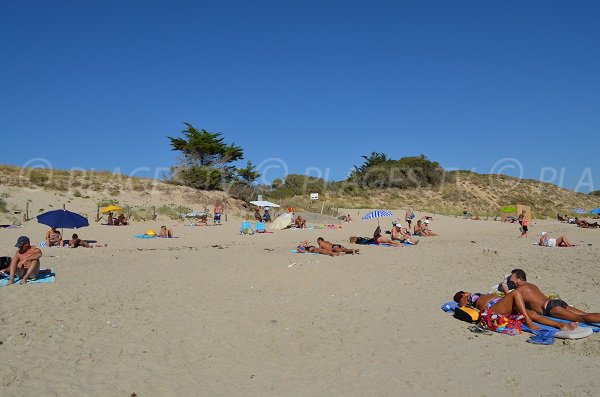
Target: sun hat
{"type": "Point", "coordinates": [426, 220]}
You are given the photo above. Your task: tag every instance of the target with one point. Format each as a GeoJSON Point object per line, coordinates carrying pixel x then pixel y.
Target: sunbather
{"type": "Point", "coordinates": [329, 246]}
{"type": "Point", "coordinates": [379, 239]}
{"type": "Point", "coordinates": [165, 232]}
{"type": "Point", "coordinates": [77, 242]}
{"type": "Point", "coordinates": [53, 238]}
{"type": "Point", "coordinates": [26, 262]}
{"type": "Point", "coordinates": [122, 220]}
{"type": "Point", "coordinates": [539, 303]}
{"type": "Point", "coordinates": [561, 241]}
{"type": "Point", "coordinates": [402, 235]}
{"type": "Point", "coordinates": [305, 246]}
{"type": "Point", "coordinates": [257, 216]}
{"type": "Point", "coordinates": [300, 223]}
{"type": "Point", "coordinates": [267, 216]}
{"type": "Point", "coordinates": [512, 303]}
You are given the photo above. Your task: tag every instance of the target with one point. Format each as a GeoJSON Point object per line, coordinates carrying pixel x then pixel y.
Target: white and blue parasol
{"type": "Point", "coordinates": [376, 214]}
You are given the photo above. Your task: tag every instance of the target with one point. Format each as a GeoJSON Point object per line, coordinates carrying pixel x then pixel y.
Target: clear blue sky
{"type": "Point", "coordinates": [101, 84]}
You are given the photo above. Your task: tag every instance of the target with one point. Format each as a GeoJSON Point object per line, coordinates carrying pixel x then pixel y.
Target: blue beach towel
{"type": "Point", "coordinates": [143, 236]}
{"type": "Point", "coordinates": [41, 278]}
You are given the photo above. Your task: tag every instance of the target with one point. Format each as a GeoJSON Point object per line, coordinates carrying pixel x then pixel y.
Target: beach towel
{"type": "Point", "coordinates": [41, 278]}
{"type": "Point", "coordinates": [390, 245]}
{"type": "Point", "coordinates": [310, 253]}
{"type": "Point", "coordinates": [546, 334]}
{"type": "Point", "coordinates": [143, 236]}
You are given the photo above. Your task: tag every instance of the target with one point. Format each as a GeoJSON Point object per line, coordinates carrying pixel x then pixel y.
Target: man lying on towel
{"type": "Point", "coordinates": [537, 302]}
{"type": "Point", "coordinates": [329, 246]}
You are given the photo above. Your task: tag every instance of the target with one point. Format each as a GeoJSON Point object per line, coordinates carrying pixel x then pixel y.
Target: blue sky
{"type": "Point", "coordinates": [316, 84]}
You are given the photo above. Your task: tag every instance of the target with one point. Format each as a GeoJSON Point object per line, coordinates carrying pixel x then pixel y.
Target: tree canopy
{"type": "Point", "coordinates": [204, 148]}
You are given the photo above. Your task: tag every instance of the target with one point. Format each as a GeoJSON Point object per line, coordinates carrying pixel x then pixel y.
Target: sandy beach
{"type": "Point", "coordinates": [215, 313]}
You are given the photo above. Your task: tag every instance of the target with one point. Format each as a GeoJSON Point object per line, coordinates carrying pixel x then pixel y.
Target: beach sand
{"type": "Point", "coordinates": [215, 313]}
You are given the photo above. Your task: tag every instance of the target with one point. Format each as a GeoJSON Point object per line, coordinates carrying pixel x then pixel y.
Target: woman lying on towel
{"type": "Point", "coordinates": [562, 241]}
{"type": "Point", "coordinates": [305, 247]}
{"type": "Point", "coordinates": [511, 303]}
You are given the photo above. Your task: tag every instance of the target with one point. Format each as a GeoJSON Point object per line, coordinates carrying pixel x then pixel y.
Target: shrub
{"type": "Point", "coordinates": [38, 177]}
{"type": "Point", "coordinates": [106, 202]}
{"type": "Point", "coordinates": [3, 205]}
{"type": "Point", "coordinates": [77, 193]}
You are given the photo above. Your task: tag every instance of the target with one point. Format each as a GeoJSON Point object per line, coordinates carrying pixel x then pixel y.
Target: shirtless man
{"type": "Point", "coordinates": [165, 232]}
{"type": "Point", "coordinates": [538, 303]}
{"type": "Point", "coordinates": [402, 235]}
{"type": "Point", "coordinates": [327, 245]}
{"type": "Point", "coordinates": [305, 246]}
{"type": "Point", "coordinates": [379, 239]}
{"type": "Point", "coordinates": [26, 262]}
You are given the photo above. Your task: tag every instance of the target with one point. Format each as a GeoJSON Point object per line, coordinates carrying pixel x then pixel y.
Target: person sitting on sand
{"type": "Point", "coordinates": [53, 238]}
{"type": "Point", "coordinates": [165, 232]}
{"type": "Point", "coordinates": [110, 220]}
{"type": "Point", "coordinates": [348, 218]}
{"type": "Point", "coordinates": [305, 246]}
{"type": "Point", "coordinates": [26, 262]}
{"type": "Point", "coordinates": [300, 223]}
{"type": "Point", "coordinates": [122, 220]}
{"type": "Point", "coordinates": [402, 235]}
{"type": "Point", "coordinates": [77, 242]}
{"type": "Point", "coordinates": [540, 304]}
{"type": "Point", "coordinates": [427, 232]}
{"type": "Point", "coordinates": [511, 303]}
{"type": "Point", "coordinates": [379, 239]}
{"type": "Point", "coordinates": [267, 216]}
{"type": "Point", "coordinates": [257, 216]}
{"type": "Point", "coordinates": [327, 245]}
{"type": "Point", "coordinates": [546, 241]}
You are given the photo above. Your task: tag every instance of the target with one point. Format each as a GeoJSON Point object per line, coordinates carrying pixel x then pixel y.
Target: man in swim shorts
{"type": "Point", "coordinates": [327, 245]}
{"type": "Point", "coordinates": [537, 302]}
{"type": "Point", "coordinates": [305, 247]}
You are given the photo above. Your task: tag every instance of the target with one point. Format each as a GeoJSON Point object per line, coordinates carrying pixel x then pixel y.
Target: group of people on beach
{"type": "Point", "coordinates": [525, 299]}
{"type": "Point", "coordinates": [579, 222]}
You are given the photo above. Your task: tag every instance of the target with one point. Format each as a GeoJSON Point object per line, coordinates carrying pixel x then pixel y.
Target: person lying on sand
{"type": "Point", "coordinates": [512, 303]}
{"type": "Point", "coordinates": [53, 238]}
{"type": "Point", "coordinates": [379, 239]}
{"type": "Point", "coordinates": [546, 241]}
{"type": "Point", "coordinates": [537, 302]}
{"type": "Point", "coordinates": [26, 262]}
{"type": "Point", "coordinates": [77, 242]}
{"type": "Point", "coordinates": [305, 246]}
{"type": "Point", "coordinates": [327, 245]}
{"type": "Point", "coordinates": [165, 232]}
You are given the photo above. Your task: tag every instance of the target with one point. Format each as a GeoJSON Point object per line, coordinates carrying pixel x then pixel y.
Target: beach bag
{"type": "Point", "coordinates": [467, 313]}
{"type": "Point", "coordinates": [4, 261]}
{"type": "Point", "coordinates": [509, 325]}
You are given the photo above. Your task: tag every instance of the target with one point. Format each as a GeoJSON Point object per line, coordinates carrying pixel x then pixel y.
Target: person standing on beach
{"type": "Point", "coordinates": [524, 226]}
{"type": "Point", "coordinates": [408, 217]}
{"type": "Point", "coordinates": [217, 213]}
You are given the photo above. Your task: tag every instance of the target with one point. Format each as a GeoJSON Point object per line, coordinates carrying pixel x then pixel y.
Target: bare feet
{"type": "Point", "coordinates": [356, 251]}
{"type": "Point", "coordinates": [568, 326]}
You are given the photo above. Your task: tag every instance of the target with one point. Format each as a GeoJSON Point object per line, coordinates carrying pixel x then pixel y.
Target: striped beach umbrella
{"type": "Point", "coordinates": [377, 214]}
{"type": "Point", "coordinates": [579, 211]}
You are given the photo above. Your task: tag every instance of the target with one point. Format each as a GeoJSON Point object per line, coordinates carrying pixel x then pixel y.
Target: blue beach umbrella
{"type": "Point", "coordinates": [62, 219]}
{"type": "Point", "coordinates": [376, 215]}
{"type": "Point", "coordinates": [595, 211]}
